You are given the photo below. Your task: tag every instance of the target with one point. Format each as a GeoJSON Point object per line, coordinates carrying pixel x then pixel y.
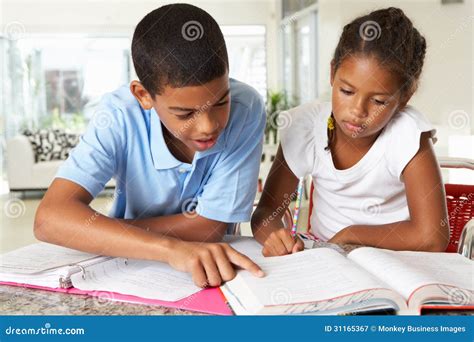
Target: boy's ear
{"type": "Point", "coordinates": [333, 71]}
{"type": "Point", "coordinates": [141, 94]}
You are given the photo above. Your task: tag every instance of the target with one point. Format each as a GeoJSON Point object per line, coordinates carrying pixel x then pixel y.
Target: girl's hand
{"type": "Point", "coordinates": [210, 264]}
{"type": "Point", "coordinates": [280, 242]}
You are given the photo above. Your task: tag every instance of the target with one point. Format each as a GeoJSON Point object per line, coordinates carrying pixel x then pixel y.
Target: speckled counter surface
{"type": "Point", "coordinates": [15, 300]}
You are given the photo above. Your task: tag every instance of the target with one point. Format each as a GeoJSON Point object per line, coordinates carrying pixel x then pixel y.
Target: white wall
{"type": "Point", "coordinates": [446, 89]}
{"type": "Point", "coordinates": [103, 17]}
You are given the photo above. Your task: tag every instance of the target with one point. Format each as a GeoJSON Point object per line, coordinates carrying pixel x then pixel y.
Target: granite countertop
{"type": "Point", "coordinates": [16, 300]}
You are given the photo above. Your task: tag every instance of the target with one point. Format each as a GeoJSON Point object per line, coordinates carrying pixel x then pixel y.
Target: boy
{"type": "Point", "coordinates": [183, 145]}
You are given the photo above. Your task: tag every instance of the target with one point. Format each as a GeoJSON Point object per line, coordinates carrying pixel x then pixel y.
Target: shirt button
{"type": "Point", "coordinates": [182, 170]}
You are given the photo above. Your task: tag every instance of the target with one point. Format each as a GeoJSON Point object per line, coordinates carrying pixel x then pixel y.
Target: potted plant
{"type": "Point", "coordinates": [277, 101]}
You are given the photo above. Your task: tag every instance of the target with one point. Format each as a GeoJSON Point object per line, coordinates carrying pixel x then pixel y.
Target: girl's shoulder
{"type": "Point", "coordinates": [410, 121]}
{"type": "Point", "coordinates": [300, 130]}
{"type": "Point", "coordinates": [311, 116]}
{"type": "Point", "coordinates": [404, 133]}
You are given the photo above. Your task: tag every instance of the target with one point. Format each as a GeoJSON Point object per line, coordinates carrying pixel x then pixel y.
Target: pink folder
{"type": "Point", "coordinates": [210, 300]}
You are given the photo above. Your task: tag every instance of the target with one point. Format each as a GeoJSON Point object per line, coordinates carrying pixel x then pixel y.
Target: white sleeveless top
{"type": "Point", "coordinates": [371, 192]}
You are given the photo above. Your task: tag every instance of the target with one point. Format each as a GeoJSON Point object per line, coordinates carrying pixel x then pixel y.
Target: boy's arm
{"type": "Point", "coordinates": [65, 218]}
{"type": "Point", "coordinates": [267, 225]}
{"type": "Point", "coordinates": [191, 227]}
{"type": "Point", "coordinates": [428, 228]}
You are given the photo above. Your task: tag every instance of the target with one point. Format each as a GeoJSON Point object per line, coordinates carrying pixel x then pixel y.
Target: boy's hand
{"type": "Point", "coordinates": [280, 242]}
{"type": "Point", "coordinates": [210, 264]}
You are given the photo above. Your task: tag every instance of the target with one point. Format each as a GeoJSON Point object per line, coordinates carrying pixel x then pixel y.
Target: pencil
{"type": "Point", "coordinates": [299, 195]}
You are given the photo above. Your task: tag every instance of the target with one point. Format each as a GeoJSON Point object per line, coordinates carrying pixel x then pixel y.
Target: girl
{"type": "Point", "coordinates": [376, 178]}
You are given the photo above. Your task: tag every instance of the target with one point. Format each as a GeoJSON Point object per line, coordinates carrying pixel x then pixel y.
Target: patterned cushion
{"type": "Point", "coordinates": [51, 144]}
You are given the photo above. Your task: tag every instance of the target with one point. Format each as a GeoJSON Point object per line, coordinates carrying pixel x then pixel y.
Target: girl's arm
{"type": "Point", "coordinates": [427, 229]}
{"type": "Point", "coordinates": [267, 225]}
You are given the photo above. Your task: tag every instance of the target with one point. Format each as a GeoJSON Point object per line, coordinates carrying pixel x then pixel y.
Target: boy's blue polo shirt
{"type": "Point", "coordinates": [126, 142]}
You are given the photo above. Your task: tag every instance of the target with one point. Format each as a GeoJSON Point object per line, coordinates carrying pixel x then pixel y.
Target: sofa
{"type": "Point", "coordinates": [33, 158]}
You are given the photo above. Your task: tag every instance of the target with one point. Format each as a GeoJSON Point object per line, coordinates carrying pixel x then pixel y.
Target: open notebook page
{"type": "Point", "coordinates": [142, 278]}
{"type": "Point", "coordinates": [406, 271]}
{"type": "Point", "coordinates": [149, 279]}
{"type": "Point", "coordinates": [307, 276]}
{"type": "Point", "coordinates": [245, 245]}
{"type": "Point", "coordinates": [40, 257]}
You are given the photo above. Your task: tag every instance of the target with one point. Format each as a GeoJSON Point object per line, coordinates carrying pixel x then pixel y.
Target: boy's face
{"type": "Point", "coordinates": [194, 116]}
{"type": "Point", "coordinates": [365, 96]}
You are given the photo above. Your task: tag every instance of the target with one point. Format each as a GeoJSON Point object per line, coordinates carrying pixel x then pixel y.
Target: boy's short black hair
{"type": "Point", "coordinates": [178, 45]}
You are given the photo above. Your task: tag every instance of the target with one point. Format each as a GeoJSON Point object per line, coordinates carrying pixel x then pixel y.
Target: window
{"type": "Point", "coordinates": [306, 58]}
{"type": "Point", "coordinates": [299, 42]}
{"type": "Point", "coordinates": [56, 80]}
{"type": "Point", "coordinates": [247, 55]}
{"type": "Point", "coordinates": [288, 60]}
{"type": "Point", "coordinates": [78, 71]}
{"type": "Point", "coordinates": [290, 7]}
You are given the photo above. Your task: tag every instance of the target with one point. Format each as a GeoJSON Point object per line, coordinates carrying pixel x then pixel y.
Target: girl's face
{"type": "Point", "coordinates": [365, 96]}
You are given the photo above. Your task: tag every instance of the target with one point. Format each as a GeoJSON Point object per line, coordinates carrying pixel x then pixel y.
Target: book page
{"type": "Point", "coordinates": [141, 278]}
{"type": "Point", "coordinates": [406, 271]}
{"type": "Point", "coordinates": [307, 276]}
{"type": "Point", "coordinates": [150, 279]}
{"type": "Point", "coordinates": [40, 257]}
{"type": "Point", "coordinates": [245, 245]}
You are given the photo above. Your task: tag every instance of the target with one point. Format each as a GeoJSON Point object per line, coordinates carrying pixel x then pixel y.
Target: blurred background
{"type": "Point", "coordinates": [58, 57]}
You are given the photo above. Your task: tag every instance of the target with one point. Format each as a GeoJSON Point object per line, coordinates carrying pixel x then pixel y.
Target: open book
{"type": "Point", "coordinates": [324, 281]}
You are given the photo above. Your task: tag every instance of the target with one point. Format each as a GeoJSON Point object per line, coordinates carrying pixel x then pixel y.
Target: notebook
{"type": "Point", "coordinates": [325, 281]}
{"type": "Point", "coordinates": [55, 268]}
